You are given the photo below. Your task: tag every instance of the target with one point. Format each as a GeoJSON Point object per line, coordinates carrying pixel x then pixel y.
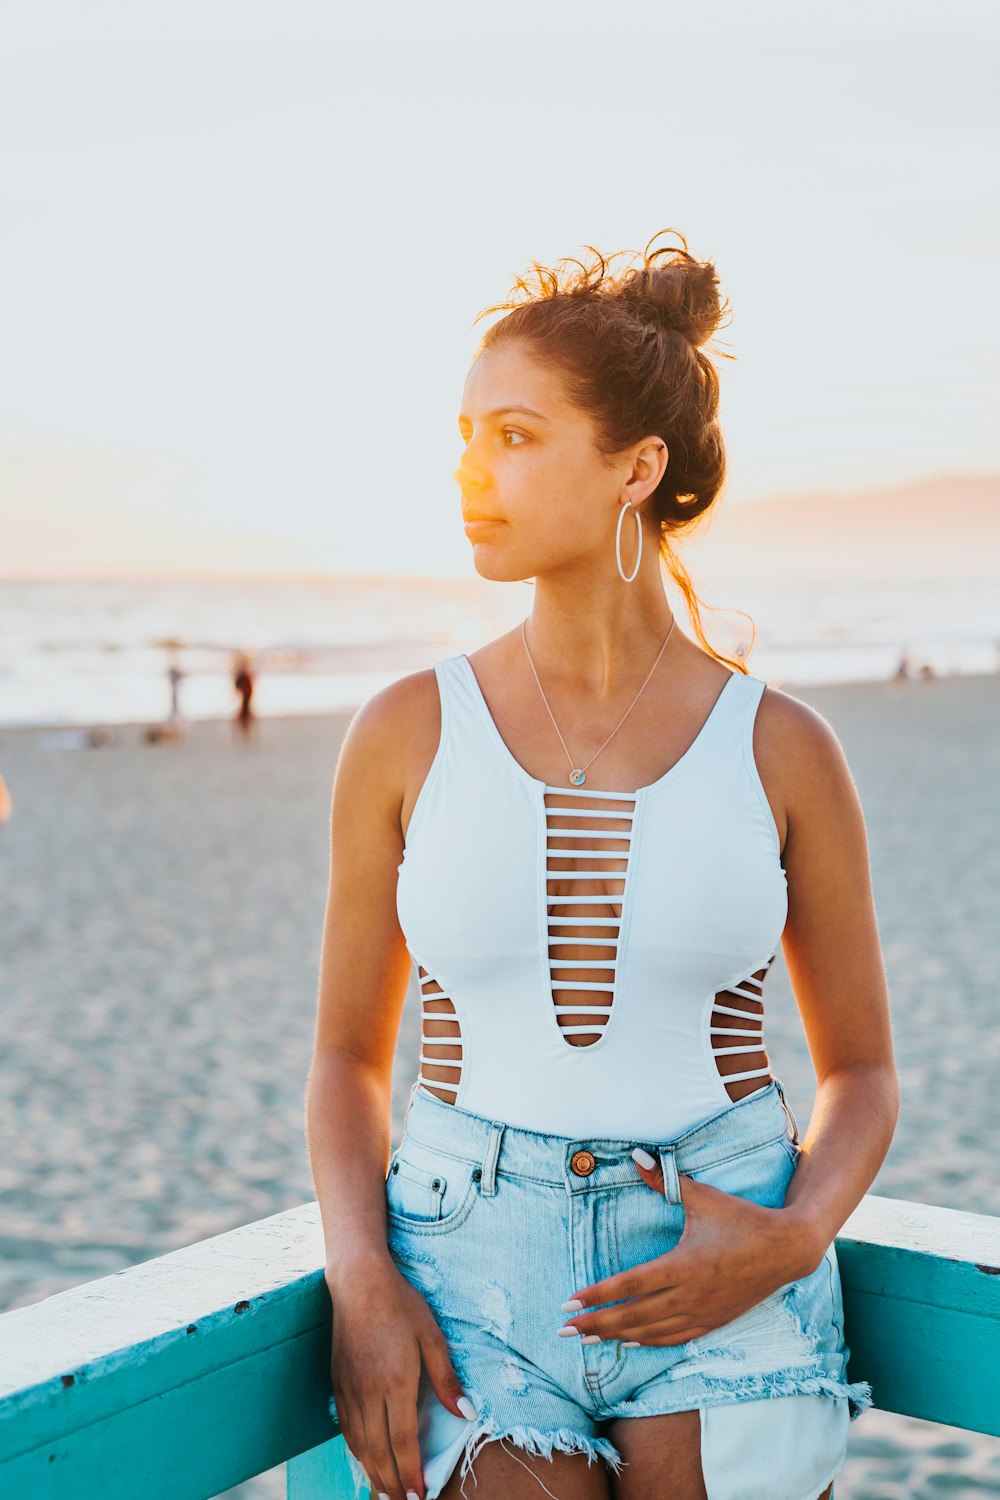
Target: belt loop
{"type": "Point", "coordinates": [487, 1185]}
{"type": "Point", "coordinates": [671, 1182]}
{"type": "Point", "coordinates": [409, 1103]}
{"type": "Point", "coordinates": [791, 1118]}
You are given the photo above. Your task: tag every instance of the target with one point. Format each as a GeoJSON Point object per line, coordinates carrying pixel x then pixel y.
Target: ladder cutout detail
{"type": "Point", "coordinates": [440, 1041]}
{"type": "Point", "coordinates": [587, 858]}
{"type": "Point", "coordinates": [737, 1034]}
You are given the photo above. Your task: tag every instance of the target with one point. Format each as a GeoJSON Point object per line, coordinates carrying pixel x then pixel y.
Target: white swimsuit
{"type": "Point", "coordinates": [684, 899]}
{"type": "Point", "coordinates": [658, 969]}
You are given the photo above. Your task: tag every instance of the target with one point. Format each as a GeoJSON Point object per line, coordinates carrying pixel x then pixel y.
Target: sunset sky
{"type": "Point", "coordinates": [244, 246]}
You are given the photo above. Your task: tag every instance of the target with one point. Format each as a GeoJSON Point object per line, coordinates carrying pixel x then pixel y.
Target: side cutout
{"type": "Point", "coordinates": [737, 1035]}
{"type": "Point", "coordinates": [440, 1041]}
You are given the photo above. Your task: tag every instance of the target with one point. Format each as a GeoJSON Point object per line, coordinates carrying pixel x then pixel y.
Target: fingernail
{"type": "Point", "coordinates": [467, 1409]}
{"type": "Point", "coordinates": [591, 1338]}
{"type": "Point", "coordinates": [643, 1158]}
{"type": "Point", "coordinates": [630, 1344]}
{"type": "Point", "coordinates": [384, 1495]}
{"type": "Point", "coordinates": [410, 1495]}
{"type": "Point", "coordinates": [573, 1305]}
{"type": "Point", "coordinates": [565, 1333]}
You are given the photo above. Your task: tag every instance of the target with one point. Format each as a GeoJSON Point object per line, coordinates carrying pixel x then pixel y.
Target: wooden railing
{"type": "Point", "coordinates": [181, 1377]}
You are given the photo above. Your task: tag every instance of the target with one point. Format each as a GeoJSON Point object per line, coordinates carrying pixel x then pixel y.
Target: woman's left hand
{"type": "Point", "coordinates": [732, 1253]}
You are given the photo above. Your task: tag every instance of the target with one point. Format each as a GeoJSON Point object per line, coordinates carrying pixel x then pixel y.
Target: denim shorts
{"type": "Point", "coordinates": [496, 1226]}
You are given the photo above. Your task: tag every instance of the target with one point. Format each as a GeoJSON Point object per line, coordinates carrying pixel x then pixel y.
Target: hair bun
{"type": "Point", "coordinates": [680, 293]}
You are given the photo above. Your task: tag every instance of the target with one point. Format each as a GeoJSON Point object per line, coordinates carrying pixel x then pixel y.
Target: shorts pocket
{"type": "Point", "coordinates": [791, 1148]}
{"type": "Point", "coordinates": [761, 1174]}
{"type": "Point", "coordinates": [428, 1191]}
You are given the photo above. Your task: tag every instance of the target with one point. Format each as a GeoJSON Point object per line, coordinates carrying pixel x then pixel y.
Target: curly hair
{"type": "Point", "coordinates": [629, 349]}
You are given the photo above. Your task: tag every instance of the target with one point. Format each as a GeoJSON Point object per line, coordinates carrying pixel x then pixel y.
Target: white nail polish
{"type": "Point", "coordinates": [567, 1333]}
{"type": "Point", "coordinates": [573, 1305]}
{"type": "Point", "coordinates": [467, 1409]}
{"type": "Point", "coordinates": [411, 1495]}
{"type": "Point", "coordinates": [630, 1344]}
{"type": "Point", "coordinates": [643, 1158]}
{"type": "Point", "coordinates": [591, 1338]}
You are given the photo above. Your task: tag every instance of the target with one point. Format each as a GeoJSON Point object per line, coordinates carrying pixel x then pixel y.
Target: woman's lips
{"type": "Point", "coordinates": [473, 528]}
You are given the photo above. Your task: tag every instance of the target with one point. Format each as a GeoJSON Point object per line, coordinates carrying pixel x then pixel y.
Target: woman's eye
{"type": "Point", "coordinates": [506, 431]}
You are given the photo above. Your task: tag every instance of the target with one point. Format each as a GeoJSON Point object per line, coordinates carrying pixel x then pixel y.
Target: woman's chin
{"type": "Point", "coordinates": [490, 564]}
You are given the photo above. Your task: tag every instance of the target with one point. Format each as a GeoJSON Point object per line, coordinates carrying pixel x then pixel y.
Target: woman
{"type": "Point", "coordinates": [590, 837]}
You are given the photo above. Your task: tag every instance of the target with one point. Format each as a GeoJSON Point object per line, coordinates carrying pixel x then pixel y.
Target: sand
{"type": "Point", "coordinates": [161, 925]}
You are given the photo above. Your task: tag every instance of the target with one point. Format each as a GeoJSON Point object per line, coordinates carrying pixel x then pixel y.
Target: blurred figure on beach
{"type": "Point", "coordinates": [904, 668]}
{"type": "Point", "coordinates": [245, 721]}
{"type": "Point", "coordinates": [6, 805]}
{"type": "Point", "coordinates": [910, 669]}
{"type": "Point", "coordinates": [175, 677]}
{"type": "Point", "coordinates": [175, 726]}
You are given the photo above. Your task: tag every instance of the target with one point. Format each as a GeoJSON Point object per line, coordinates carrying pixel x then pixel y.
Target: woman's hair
{"type": "Point", "coordinates": [629, 349]}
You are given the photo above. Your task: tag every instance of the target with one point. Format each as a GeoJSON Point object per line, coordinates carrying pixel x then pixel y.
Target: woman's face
{"type": "Point", "coordinates": [549, 497]}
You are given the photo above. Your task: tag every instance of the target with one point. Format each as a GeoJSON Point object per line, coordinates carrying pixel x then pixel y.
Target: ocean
{"type": "Point", "coordinates": [97, 652]}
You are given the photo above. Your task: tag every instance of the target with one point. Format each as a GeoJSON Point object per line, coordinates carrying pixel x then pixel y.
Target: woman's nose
{"type": "Point", "coordinates": [468, 479]}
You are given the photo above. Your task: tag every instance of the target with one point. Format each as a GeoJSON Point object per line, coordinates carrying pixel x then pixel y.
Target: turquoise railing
{"type": "Point", "coordinates": [181, 1377]}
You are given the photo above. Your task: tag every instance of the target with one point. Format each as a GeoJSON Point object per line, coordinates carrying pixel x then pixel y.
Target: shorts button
{"type": "Point", "coordinates": [582, 1163]}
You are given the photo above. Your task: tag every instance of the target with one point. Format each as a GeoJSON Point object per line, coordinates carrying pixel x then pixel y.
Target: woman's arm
{"type": "Point", "coordinates": [364, 973]}
{"type": "Point", "coordinates": [834, 961]}
{"type": "Point", "coordinates": [384, 1331]}
{"type": "Point", "coordinates": [734, 1252]}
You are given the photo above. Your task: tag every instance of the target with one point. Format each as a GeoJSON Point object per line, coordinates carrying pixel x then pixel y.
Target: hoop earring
{"type": "Point", "coordinates": [618, 541]}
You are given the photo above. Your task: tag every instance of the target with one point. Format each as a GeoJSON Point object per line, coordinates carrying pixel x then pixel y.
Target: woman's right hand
{"type": "Point", "coordinates": [382, 1330]}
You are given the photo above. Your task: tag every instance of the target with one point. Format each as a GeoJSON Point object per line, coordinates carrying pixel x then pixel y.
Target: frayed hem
{"type": "Point", "coordinates": [541, 1444]}
{"type": "Point", "coordinates": [859, 1398]}
{"type": "Point", "coordinates": [708, 1390]}
{"type": "Point", "coordinates": [751, 1387]}
{"type": "Point", "coordinates": [530, 1439]}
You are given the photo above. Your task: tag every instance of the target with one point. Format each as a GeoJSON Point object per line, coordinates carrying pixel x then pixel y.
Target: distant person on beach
{"type": "Point", "coordinates": [175, 677]}
{"type": "Point", "coordinates": [910, 670]}
{"type": "Point", "coordinates": [6, 803]}
{"type": "Point", "coordinates": [595, 1146]}
{"type": "Point", "coordinates": [245, 720]}
{"type": "Point", "coordinates": [175, 726]}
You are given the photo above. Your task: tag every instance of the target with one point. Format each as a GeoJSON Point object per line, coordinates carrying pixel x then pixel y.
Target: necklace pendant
{"type": "Point", "coordinates": [576, 778]}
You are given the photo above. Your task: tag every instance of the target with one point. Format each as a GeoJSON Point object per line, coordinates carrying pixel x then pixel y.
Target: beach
{"type": "Point", "coordinates": [161, 927]}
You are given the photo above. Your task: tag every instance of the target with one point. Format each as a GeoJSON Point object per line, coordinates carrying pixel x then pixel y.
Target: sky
{"type": "Point", "coordinates": [244, 246]}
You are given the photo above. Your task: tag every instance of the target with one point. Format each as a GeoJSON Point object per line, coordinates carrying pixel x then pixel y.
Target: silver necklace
{"type": "Point", "coordinates": [578, 774]}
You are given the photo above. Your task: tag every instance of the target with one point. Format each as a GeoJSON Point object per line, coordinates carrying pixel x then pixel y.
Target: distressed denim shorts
{"type": "Point", "coordinates": [496, 1226]}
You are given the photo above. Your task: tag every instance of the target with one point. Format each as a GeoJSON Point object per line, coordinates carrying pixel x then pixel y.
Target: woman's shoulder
{"type": "Point", "coordinates": [793, 728]}
{"type": "Point", "coordinates": [408, 710]}
{"type": "Point", "coordinates": [798, 754]}
{"type": "Point", "coordinates": [403, 711]}
{"type": "Point", "coordinates": [380, 753]}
